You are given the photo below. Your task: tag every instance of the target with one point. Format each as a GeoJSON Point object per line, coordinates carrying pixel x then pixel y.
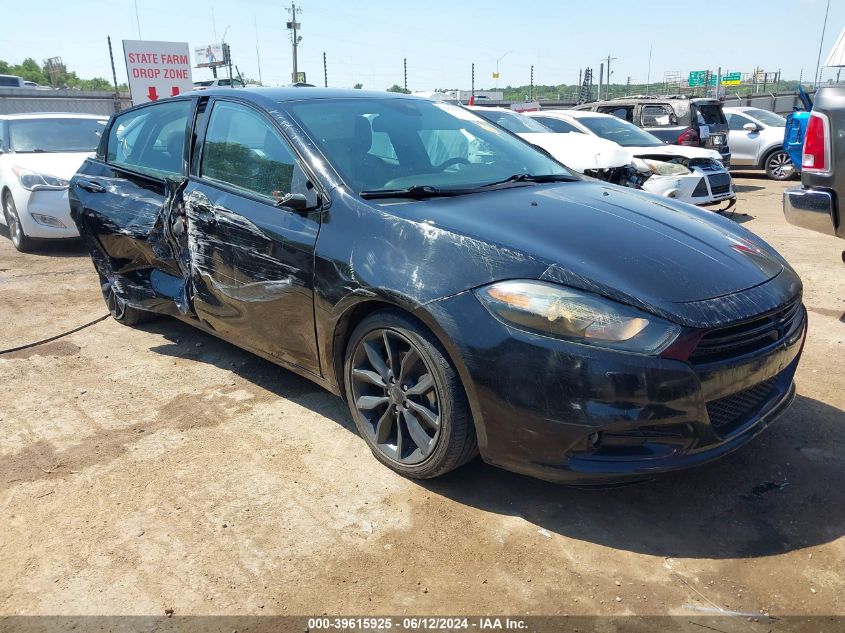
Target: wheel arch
{"type": "Point", "coordinates": [765, 154]}
{"type": "Point", "coordinates": [354, 314]}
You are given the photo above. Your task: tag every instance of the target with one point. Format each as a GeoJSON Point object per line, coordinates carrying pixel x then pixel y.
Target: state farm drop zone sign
{"type": "Point", "coordinates": [157, 69]}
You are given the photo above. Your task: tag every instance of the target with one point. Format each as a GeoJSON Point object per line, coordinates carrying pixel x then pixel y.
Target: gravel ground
{"type": "Point", "coordinates": [158, 468]}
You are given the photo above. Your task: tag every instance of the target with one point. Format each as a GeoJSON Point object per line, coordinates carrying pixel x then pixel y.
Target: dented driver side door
{"type": "Point", "coordinates": [251, 260]}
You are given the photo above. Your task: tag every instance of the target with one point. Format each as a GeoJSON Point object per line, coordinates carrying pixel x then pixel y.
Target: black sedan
{"type": "Point", "coordinates": [460, 289]}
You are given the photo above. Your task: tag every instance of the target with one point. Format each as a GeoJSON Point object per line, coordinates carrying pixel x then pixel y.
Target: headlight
{"type": "Point", "coordinates": [662, 168]}
{"type": "Point", "coordinates": [31, 180]}
{"type": "Point", "coordinates": [574, 315]}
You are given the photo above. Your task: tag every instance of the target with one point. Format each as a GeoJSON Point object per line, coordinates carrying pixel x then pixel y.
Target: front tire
{"type": "Point", "coordinates": [20, 240]}
{"type": "Point", "coordinates": [118, 309]}
{"type": "Point", "coordinates": [779, 166]}
{"type": "Point", "coordinates": [406, 398]}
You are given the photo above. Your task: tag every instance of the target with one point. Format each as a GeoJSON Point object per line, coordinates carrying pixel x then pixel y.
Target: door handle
{"type": "Point", "coordinates": [90, 186]}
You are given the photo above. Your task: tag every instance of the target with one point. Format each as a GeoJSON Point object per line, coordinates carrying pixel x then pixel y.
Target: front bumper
{"type": "Point", "coordinates": [37, 205]}
{"type": "Point", "coordinates": [698, 188]}
{"type": "Point", "coordinates": [813, 209]}
{"type": "Point", "coordinates": [572, 413]}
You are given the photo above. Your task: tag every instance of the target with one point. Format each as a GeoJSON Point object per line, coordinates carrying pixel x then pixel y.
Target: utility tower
{"type": "Point", "coordinates": [293, 26]}
{"type": "Point", "coordinates": [586, 93]}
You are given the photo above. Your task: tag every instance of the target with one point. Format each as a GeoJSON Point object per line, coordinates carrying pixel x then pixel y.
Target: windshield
{"type": "Point", "coordinates": [56, 135]}
{"type": "Point", "coordinates": [513, 122]}
{"type": "Point", "coordinates": [379, 144]}
{"type": "Point", "coordinates": [615, 129]}
{"type": "Point", "coordinates": [767, 118]}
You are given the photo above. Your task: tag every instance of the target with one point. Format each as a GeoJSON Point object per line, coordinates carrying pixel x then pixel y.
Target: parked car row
{"type": "Point", "coordinates": [464, 291]}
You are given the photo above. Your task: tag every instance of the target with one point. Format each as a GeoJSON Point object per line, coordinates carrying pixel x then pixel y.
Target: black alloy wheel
{"type": "Point", "coordinates": [406, 398]}
{"type": "Point", "coordinates": [121, 312]}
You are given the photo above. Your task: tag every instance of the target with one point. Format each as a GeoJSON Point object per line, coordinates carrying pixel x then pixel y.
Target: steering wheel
{"type": "Point", "coordinates": [452, 161]}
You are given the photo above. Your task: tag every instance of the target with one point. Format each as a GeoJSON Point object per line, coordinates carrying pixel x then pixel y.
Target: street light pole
{"type": "Point", "coordinates": [497, 66]}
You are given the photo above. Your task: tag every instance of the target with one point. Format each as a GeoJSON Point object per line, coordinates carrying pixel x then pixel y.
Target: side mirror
{"type": "Point", "coordinates": [295, 201]}
{"type": "Point", "coordinates": [750, 127]}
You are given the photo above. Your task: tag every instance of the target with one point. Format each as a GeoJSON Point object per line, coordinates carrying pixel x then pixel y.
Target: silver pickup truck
{"type": "Point", "coordinates": [816, 205]}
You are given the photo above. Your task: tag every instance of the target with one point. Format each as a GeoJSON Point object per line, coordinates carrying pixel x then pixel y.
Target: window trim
{"type": "Point", "coordinates": [128, 168]}
{"type": "Point", "coordinates": [195, 161]}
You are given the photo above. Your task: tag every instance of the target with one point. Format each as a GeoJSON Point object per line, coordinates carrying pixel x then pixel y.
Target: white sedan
{"type": "Point", "coordinates": [39, 153]}
{"type": "Point", "coordinates": [699, 175]}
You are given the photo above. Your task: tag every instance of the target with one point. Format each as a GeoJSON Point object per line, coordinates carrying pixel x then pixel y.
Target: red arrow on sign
{"type": "Point", "coordinates": [174, 90]}
{"type": "Point", "coordinates": [152, 95]}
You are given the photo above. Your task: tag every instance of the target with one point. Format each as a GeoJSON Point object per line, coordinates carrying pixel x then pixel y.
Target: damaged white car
{"type": "Point", "coordinates": [699, 176]}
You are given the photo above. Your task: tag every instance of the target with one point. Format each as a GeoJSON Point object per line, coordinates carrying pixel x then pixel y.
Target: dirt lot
{"type": "Point", "coordinates": [156, 468]}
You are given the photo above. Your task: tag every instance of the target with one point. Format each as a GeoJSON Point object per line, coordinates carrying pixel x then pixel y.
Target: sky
{"type": "Point", "coordinates": [365, 42]}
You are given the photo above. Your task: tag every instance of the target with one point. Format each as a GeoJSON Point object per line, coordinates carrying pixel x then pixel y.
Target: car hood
{"type": "Point", "coordinates": [663, 255]}
{"type": "Point", "coordinates": [674, 150]}
{"type": "Point", "coordinates": [581, 152]}
{"type": "Point", "coordinates": [61, 164]}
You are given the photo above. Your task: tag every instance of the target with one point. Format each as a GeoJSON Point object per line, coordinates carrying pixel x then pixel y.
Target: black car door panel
{"type": "Point", "coordinates": [252, 260]}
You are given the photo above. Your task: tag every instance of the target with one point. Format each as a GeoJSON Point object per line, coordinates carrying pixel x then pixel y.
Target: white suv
{"type": "Point", "coordinates": [756, 142]}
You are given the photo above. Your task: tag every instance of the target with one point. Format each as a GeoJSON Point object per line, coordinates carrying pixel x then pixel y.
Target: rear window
{"type": "Point", "coordinates": [9, 82]}
{"type": "Point", "coordinates": [711, 113]}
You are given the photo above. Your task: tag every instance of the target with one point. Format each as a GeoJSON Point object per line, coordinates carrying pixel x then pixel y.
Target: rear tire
{"type": "Point", "coordinates": [119, 311]}
{"type": "Point", "coordinates": [406, 398]}
{"type": "Point", "coordinates": [20, 240]}
{"type": "Point", "coordinates": [778, 165]}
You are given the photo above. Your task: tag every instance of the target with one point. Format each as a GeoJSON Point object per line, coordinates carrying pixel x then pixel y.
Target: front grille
{"type": "Point", "coordinates": [729, 413]}
{"type": "Point", "coordinates": [705, 164]}
{"type": "Point", "coordinates": [700, 189]}
{"type": "Point", "coordinates": [720, 183]}
{"type": "Point", "coordinates": [750, 336]}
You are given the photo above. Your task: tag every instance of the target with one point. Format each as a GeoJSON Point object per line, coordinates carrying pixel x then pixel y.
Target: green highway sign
{"type": "Point", "coordinates": [732, 79]}
{"type": "Point", "coordinates": [699, 78]}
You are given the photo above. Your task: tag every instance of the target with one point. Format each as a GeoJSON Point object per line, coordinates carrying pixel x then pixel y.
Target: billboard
{"type": "Point", "coordinates": [209, 55]}
{"type": "Point", "coordinates": [157, 69]}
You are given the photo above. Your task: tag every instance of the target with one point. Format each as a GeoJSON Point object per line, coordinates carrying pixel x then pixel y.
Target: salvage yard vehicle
{"type": "Point", "coordinates": [463, 291]}
{"type": "Point", "coordinates": [38, 155]}
{"type": "Point", "coordinates": [665, 173]}
{"type": "Point", "coordinates": [676, 119]}
{"type": "Point", "coordinates": [698, 176]}
{"type": "Point", "coordinates": [756, 141]}
{"type": "Point", "coordinates": [817, 204]}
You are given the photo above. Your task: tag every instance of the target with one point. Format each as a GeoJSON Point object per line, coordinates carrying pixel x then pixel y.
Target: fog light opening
{"type": "Point", "coordinates": [594, 441]}
{"type": "Point", "coordinates": [48, 220]}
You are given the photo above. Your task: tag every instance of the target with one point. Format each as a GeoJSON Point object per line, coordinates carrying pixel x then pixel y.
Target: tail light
{"type": "Point", "coordinates": [816, 154]}
{"type": "Point", "coordinates": [689, 137]}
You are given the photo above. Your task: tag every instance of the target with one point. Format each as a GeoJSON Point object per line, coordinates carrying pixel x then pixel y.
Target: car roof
{"type": "Point", "coordinates": [491, 109]}
{"type": "Point", "coordinates": [299, 93]}
{"type": "Point", "coordinates": [575, 114]}
{"type": "Point", "coordinates": [50, 115]}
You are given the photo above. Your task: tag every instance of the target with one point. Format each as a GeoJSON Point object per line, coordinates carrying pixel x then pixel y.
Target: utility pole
{"type": "Point", "coordinates": [531, 85]}
{"type": "Point", "coordinates": [293, 26]}
{"type": "Point", "coordinates": [628, 86]}
{"type": "Point", "coordinates": [405, 63]}
{"type": "Point", "coordinates": [601, 80]}
{"type": "Point", "coordinates": [607, 89]}
{"type": "Point", "coordinates": [472, 89]}
{"type": "Point", "coordinates": [648, 76]}
{"type": "Point", "coordinates": [114, 77]}
{"type": "Point", "coordinates": [325, 72]}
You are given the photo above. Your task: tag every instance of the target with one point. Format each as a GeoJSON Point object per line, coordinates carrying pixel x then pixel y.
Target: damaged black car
{"type": "Point", "coordinates": [463, 291]}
